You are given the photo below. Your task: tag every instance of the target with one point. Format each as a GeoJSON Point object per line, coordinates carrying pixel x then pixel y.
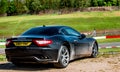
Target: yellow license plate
{"type": "Point", "coordinates": [22, 43]}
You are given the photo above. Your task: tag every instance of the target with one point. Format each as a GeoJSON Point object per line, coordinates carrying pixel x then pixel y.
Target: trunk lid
{"type": "Point", "coordinates": [23, 41]}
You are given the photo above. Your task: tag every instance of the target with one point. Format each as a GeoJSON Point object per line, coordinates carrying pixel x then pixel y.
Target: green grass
{"type": "Point", "coordinates": [109, 50]}
{"type": "Point", "coordinates": [2, 57]}
{"type": "Point", "coordinates": [2, 40]}
{"type": "Point", "coordinates": [2, 46]}
{"type": "Point", "coordinates": [108, 40]}
{"type": "Point", "coordinates": [82, 21]}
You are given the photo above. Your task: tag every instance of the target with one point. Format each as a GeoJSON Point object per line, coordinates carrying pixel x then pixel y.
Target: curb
{"type": "Point", "coordinates": [105, 47]}
{"type": "Point", "coordinates": [101, 37]}
{"type": "Point", "coordinates": [112, 36]}
{"type": "Point", "coordinates": [107, 37]}
{"type": "Point", "coordinates": [2, 43]}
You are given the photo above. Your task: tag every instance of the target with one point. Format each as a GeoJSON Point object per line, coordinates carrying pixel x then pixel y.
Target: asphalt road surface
{"type": "Point", "coordinates": [109, 44]}
{"type": "Point", "coordinates": [2, 51]}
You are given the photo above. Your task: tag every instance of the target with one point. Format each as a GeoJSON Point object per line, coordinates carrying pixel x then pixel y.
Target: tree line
{"type": "Point", "coordinates": [16, 7]}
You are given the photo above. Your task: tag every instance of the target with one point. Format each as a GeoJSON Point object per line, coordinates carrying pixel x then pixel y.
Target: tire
{"type": "Point", "coordinates": [63, 58]}
{"type": "Point", "coordinates": [94, 51]}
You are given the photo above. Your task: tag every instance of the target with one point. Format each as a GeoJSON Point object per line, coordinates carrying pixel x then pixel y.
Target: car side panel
{"type": "Point", "coordinates": [59, 41]}
{"type": "Point", "coordinates": [82, 47]}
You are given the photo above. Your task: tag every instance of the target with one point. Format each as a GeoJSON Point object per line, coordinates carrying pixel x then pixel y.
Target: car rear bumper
{"type": "Point", "coordinates": [32, 55]}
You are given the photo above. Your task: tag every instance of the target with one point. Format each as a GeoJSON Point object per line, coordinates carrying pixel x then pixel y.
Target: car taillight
{"type": "Point", "coordinates": [39, 42]}
{"type": "Point", "coordinates": [8, 42]}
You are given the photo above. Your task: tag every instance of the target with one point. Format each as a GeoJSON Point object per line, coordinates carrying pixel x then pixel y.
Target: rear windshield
{"type": "Point", "coordinates": [42, 31]}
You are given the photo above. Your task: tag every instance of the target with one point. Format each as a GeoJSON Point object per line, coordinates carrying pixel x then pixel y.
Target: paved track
{"type": "Point", "coordinates": [2, 51]}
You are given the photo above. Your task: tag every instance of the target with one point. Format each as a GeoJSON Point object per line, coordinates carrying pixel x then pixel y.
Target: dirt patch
{"type": "Point", "coordinates": [109, 63]}
{"type": "Point", "coordinates": [117, 13]}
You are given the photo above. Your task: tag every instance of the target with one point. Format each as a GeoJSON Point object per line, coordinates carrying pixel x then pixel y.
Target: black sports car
{"type": "Point", "coordinates": [50, 44]}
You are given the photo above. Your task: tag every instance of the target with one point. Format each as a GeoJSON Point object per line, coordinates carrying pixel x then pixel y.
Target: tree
{"type": "Point", "coordinates": [94, 3]}
{"type": "Point", "coordinates": [3, 7]}
{"type": "Point", "coordinates": [20, 7]}
{"type": "Point", "coordinates": [54, 4]}
{"type": "Point", "coordinates": [65, 4]}
{"type": "Point", "coordinates": [118, 3]}
{"type": "Point", "coordinates": [11, 10]}
{"type": "Point", "coordinates": [81, 3]}
{"type": "Point", "coordinates": [100, 2]}
{"type": "Point", "coordinates": [114, 2]}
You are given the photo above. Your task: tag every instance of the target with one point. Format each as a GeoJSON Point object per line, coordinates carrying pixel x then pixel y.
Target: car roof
{"type": "Point", "coordinates": [52, 26]}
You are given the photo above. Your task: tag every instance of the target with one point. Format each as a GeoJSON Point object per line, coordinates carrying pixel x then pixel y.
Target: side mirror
{"type": "Point", "coordinates": [83, 36]}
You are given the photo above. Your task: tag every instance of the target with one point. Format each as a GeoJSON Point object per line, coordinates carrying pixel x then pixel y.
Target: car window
{"type": "Point", "coordinates": [42, 31]}
{"type": "Point", "coordinates": [69, 31]}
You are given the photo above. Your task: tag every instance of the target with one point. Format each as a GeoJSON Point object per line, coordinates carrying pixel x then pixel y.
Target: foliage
{"type": "Point", "coordinates": [2, 57]}
{"type": "Point", "coordinates": [11, 8]}
{"type": "Point", "coordinates": [94, 3]}
{"type": "Point", "coordinates": [35, 6]}
{"type": "Point", "coordinates": [81, 3]}
{"type": "Point", "coordinates": [107, 50]}
{"type": "Point", "coordinates": [3, 6]}
{"type": "Point", "coordinates": [100, 2]}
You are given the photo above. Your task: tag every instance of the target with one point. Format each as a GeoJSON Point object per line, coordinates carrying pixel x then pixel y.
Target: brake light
{"type": "Point", "coordinates": [8, 42]}
{"type": "Point", "coordinates": [42, 42]}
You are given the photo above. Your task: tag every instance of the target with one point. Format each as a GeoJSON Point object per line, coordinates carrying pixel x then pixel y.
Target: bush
{"type": "Point", "coordinates": [15, 7]}
{"type": "Point", "coordinates": [100, 2]}
{"type": "Point", "coordinates": [20, 7]}
{"type": "Point", "coordinates": [3, 7]}
{"type": "Point", "coordinates": [94, 3]}
{"type": "Point", "coordinates": [11, 10]}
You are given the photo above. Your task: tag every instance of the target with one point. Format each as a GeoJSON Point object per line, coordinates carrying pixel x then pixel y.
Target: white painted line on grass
{"type": "Point", "coordinates": [118, 46]}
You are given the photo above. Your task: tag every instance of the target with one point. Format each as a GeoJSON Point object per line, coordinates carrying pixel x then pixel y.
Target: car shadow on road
{"type": "Point", "coordinates": [31, 67]}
